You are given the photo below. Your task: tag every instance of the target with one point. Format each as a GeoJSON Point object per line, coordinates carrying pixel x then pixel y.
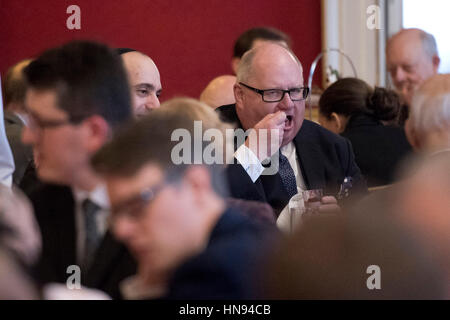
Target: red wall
{"type": "Point", "coordinates": [190, 41]}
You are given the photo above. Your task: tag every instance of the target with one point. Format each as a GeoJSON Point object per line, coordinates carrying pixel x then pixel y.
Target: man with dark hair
{"type": "Point", "coordinates": [254, 37]}
{"type": "Point", "coordinates": [144, 80]}
{"type": "Point", "coordinates": [172, 215]}
{"type": "Point", "coordinates": [77, 96]}
{"type": "Point", "coordinates": [14, 88]}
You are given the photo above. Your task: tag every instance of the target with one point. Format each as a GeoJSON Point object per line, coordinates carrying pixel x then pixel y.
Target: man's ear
{"type": "Point", "coordinates": [337, 123]}
{"type": "Point", "coordinates": [235, 64]}
{"type": "Point", "coordinates": [97, 132]}
{"type": "Point", "coordinates": [238, 94]}
{"type": "Point", "coordinates": [436, 62]}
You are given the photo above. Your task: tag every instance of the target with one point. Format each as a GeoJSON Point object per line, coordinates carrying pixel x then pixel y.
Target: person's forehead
{"type": "Point", "coordinates": [121, 187]}
{"type": "Point", "coordinates": [273, 66]}
{"type": "Point", "coordinates": [141, 69]}
{"type": "Point", "coordinates": [44, 103]}
{"type": "Point", "coordinates": [405, 47]}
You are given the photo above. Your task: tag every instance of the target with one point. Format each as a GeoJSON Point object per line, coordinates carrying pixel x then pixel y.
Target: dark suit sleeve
{"type": "Point", "coordinates": [221, 273]}
{"type": "Point", "coordinates": [53, 209]}
{"type": "Point", "coordinates": [241, 186]}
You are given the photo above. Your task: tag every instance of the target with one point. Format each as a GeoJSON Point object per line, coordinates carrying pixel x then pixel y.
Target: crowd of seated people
{"type": "Point", "coordinates": [127, 198]}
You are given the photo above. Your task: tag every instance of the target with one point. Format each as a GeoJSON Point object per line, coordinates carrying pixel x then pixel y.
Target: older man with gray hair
{"type": "Point", "coordinates": [428, 128]}
{"type": "Point", "coordinates": [412, 57]}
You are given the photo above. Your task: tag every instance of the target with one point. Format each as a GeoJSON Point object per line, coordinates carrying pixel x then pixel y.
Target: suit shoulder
{"type": "Point", "coordinates": [237, 233]}
{"type": "Point", "coordinates": [227, 113]}
{"type": "Point", "coordinates": [47, 189]}
{"type": "Point", "coordinates": [313, 130]}
{"type": "Point", "coordinates": [47, 195]}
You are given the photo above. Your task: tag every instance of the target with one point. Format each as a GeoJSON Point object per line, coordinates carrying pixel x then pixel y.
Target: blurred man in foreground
{"type": "Point", "coordinates": [77, 97]}
{"type": "Point", "coordinates": [172, 215]}
{"type": "Point", "coordinates": [428, 126]}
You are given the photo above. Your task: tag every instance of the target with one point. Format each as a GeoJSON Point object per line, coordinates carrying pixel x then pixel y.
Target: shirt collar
{"type": "Point", "coordinates": [98, 195]}
{"type": "Point", "coordinates": [288, 149]}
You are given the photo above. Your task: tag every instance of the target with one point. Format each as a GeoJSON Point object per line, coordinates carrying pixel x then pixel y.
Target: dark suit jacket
{"type": "Point", "coordinates": [325, 160]}
{"type": "Point", "coordinates": [378, 149]}
{"type": "Point", "coordinates": [227, 268]}
{"type": "Point", "coordinates": [55, 212]}
{"type": "Point", "coordinates": [22, 153]}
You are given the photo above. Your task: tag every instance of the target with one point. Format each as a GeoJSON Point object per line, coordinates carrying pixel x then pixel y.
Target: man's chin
{"type": "Point", "coordinates": [140, 115]}
{"type": "Point", "coordinates": [49, 176]}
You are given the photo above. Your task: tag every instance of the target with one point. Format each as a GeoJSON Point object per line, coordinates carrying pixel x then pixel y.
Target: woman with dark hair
{"type": "Point", "coordinates": [367, 117]}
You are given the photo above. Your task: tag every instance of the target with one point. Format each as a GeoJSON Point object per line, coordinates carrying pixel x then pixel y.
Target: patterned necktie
{"type": "Point", "coordinates": [287, 176]}
{"type": "Point", "coordinates": [92, 239]}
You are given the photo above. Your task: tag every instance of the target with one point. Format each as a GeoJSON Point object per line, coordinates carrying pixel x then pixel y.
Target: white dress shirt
{"type": "Point", "coordinates": [254, 168]}
{"type": "Point", "coordinates": [100, 197]}
{"type": "Point", "coordinates": [6, 156]}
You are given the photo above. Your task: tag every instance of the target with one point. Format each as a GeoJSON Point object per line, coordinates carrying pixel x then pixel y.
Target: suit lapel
{"type": "Point", "coordinates": [311, 160]}
{"type": "Point", "coordinates": [228, 114]}
{"type": "Point", "coordinates": [64, 216]}
{"type": "Point", "coordinates": [106, 258]}
{"type": "Point", "coordinates": [275, 192]}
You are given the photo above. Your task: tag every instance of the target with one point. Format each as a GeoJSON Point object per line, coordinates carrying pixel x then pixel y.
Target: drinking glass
{"type": "Point", "coordinates": [312, 200]}
{"type": "Point", "coordinates": [296, 210]}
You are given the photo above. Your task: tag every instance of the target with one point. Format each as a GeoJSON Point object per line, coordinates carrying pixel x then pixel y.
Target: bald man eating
{"type": "Point", "coordinates": [270, 96]}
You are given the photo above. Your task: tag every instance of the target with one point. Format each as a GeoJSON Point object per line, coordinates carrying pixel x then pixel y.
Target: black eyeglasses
{"type": "Point", "coordinates": [134, 206]}
{"type": "Point", "coordinates": [275, 95]}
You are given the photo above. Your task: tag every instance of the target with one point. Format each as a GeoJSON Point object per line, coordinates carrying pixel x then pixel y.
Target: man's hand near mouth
{"type": "Point", "coordinates": [267, 135]}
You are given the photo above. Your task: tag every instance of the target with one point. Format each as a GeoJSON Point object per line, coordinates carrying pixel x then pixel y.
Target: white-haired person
{"type": "Point", "coordinates": [428, 126]}
{"type": "Point", "coordinates": [412, 57]}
